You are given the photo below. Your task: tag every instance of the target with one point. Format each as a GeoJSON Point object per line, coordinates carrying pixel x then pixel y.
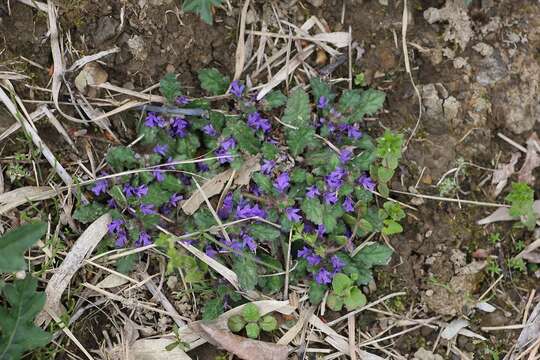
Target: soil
{"type": "Point", "coordinates": [469, 95]}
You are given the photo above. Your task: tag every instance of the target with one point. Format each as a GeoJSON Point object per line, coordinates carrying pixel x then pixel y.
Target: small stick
{"type": "Point", "coordinates": [351, 325]}
{"type": "Point", "coordinates": [504, 327]}
{"type": "Point", "coordinates": [528, 306]}
{"type": "Point", "coordinates": [512, 142]}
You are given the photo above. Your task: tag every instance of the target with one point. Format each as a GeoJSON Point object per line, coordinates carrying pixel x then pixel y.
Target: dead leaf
{"type": "Point", "coordinates": [20, 196]}
{"type": "Point", "coordinates": [91, 74]}
{"type": "Point", "coordinates": [503, 172]}
{"type": "Point", "coordinates": [531, 332]}
{"type": "Point", "coordinates": [532, 160]}
{"type": "Point", "coordinates": [531, 253]}
{"type": "Point", "coordinates": [210, 188]}
{"type": "Point", "coordinates": [74, 260]}
{"type": "Point", "coordinates": [242, 347]}
{"type": "Point", "coordinates": [111, 281]}
{"type": "Point", "coordinates": [251, 165]}
{"type": "Point", "coordinates": [154, 349]}
{"type": "Point", "coordinates": [453, 328]}
{"type": "Point", "coordinates": [503, 214]}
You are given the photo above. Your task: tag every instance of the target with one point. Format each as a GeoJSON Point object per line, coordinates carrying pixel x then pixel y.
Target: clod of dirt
{"type": "Point", "coordinates": [423, 354]}
{"type": "Point", "coordinates": [491, 69]}
{"type": "Point", "coordinates": [483, 49]}
{"type": "Point", "coordinates": [137, 47]}
{"type": "Point", "coordinates": [441, 110]}
{"type": "Point", "coordinates": [459, 27]}
{"type": "Point", "coordinates": [518, 100]}
{"type": "Point", "coordinates": [106, 29]}
{"type": "Point", "coordinates": [91, 74]}
{"type": "Point", "coordinates": [316, 3]}
{"type": "Point", "coordinates": [455, 297]}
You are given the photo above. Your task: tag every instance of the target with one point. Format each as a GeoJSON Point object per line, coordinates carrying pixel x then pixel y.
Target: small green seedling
{"type": "Point", "coordinates": [494, 238]}
{"type": "Point", "coordinates": [391, 213]}
{"type": "Point", "coordinates": [522, 200]}
{"type": "Point", "coordinates": [517, 264]}
{"type": "Point", "coordinates": [252, 321]}
{"type": "Point", "coordinates": [203, 8]}
{"type": "Point", "coordinates": [344, 292]}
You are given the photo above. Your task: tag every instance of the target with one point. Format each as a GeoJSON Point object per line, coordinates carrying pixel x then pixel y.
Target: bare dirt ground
{"type": "Point", "coordinates": [477, 70]}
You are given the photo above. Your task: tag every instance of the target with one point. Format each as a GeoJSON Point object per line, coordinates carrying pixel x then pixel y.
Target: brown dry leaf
{"type": "Point", "coordinates": [531, 332]}
{"type": "Point", "coordinates": [20, 196]}
{"type": "Point", "coordinates": [532, 160]}
{"type": "Point", "coordinates": [210, 188]}
{"type": "Point", "coordinates": [74, 260]}
{"type": "Point", "coordinates": [154, 349]}
{"type": "Point", "coordinates": [503, 172]}
{"type": "Point", "coordinates": [91, 74]}
{"type": "Point", "coordinates": [531, 253]}
{"type": "Point", "coordinates": [503, 214]}
{"type": "Point", "coordinates": [251, 165]}
{"type": "Point", "coordinates": [242, 347]}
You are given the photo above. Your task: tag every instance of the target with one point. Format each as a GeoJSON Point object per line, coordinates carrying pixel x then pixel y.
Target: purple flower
{"type": "Point", "coordinates": [228, 143]}
{"type": "Point", "coordinates": [128, 190]}
{"type": "Point", "coordinates": [223, 150]}
{"type": "Point", "coordinates": [237, 89]}
{"type": "Point", "coordinates": [292, 214]}
{"type": "Point", "coordinates": [158, 175]}
{"type": "Point", "coordinates": [304, 253]}
{"type": "Point", "coordinates": [337, 264]}
{"type": "Point", "coordinates": [312, 191]}
{"type": "Point", "coordinates": [335, 113]}
{"type": "Point", "coordinates": [322, 102]}
{"type": "Point", "coordinates": [323, 277]}
{"type": "Point", "coordinates": [345, 156]}
{"type": "Point", "coordinates": [255, 190]}
{"type": "Point", "coordinates": [182, 100]}
{"type": "Point", "coordinates": [282, 182]}
{"type": "Point", "coordinates": [100, 187]}
{"type": "Point", "coordinates": [353, 132]}
{"type": "Point", "coordinates": [202, 167]}
{"type": "Point", "coordinates": [175, 199]}
{"type": "Point", "coordinates": [111, 203]}
{"type": "Point", "coordinates": [244, 211]}
{"type": "Point", "coordinates": [330, 197]}
{"type": "Point", "coordinates": [267, 166]}
{"type": "Point", "coordinates": [147, 209]}
{"type": "Point", "coordinates": [140, 191]}
{"type": "Point", "coordinates": [348, 204]}
{"type": "Point", "coordinates": [226, 209]}
{"type": "Point", "coordinates": [321, 230]}
{"type": "Point", "coordinates": [179, 127]}
{"type": "Point", "coordinates": [186, 180]}
{"type": "Point", "coordinates": [143, 240]}
{"type": "Point", "coordinates": [335, 179]}
{"type": "Point", "coordinates": [161, 149]}
{"type": "Point", "coordinates": [153, 120]}
{"type": "Point", "coordinates": [249, 242]}
{"type": "Point", "coordinates": [210, 251]}
{"type": "Point", "coordinates": [121, 239]}
{"type": "Point", "coordinates": [366, 182]}
{"type": "Point", "coordinates": [115, 226]}
{"type": "Point", "coordinates": [256, 122]}
{"type": "Point", "coordinates": [209, 130]}
{"type": "Point", "coordinates": [313, 260]}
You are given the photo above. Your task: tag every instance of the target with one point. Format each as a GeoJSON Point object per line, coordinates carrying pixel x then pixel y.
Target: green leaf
{"type": "Point", "coordinates": [331, 215]}
{"type": "Point", "coordinates": [14, 243]}
{"type": "Point", "coordinates": [384, 174]}
{"type": "Point", "coordinates": [391, 227]}
{"type": "Point", "coordinates": [355, 299]}
{"type": "Point", "coordinates": [269, 151]}
{"type": "Point", "coordinates": [316, 293]}
{"type": "Point", "coordinates": [274, 99]}
{"type": "Point", "coordinates": [314, 210]}
{"type": "Point", "coordinates": [334, 302]}
{"type": "Point", "coordinates": [236, 323]}
{"type": "Point", "coordinates": [121, 158]}
{"type": "Point", "coordinates": [245, 137]}
{"type": "Point", "coordinates": [88, 213]}
{"type": "Point", "coordinates": [212, 309]}
{"type": "Point", "coordinates": [156, 195]}
{"type": "Point", "coordinates": [116, 193]}
{"type": "Point", "coordinates": [263, 182]}
{"type": "Point", "coordinates": [149, 134]}
{"type": "Point", "coordinates": [521, 197]}
{"type": "Point", "coordinates": [203, 8]}
{"type": "Point", "coordinates": [251, 313]}
{"type": "Point", "coordinates": [213, 81]}
{"type": "Point", "coordinates": [297, 112]}
{"type": "Point", "coordinates": [264, 232]}
{"type": "Point", "coordinates": [246, 270]}
{"type": "Point", "coordinates": [19, 334]}
{"type": "Point", "coordinates": [340, 283]}
{"type": "Point", "coordinates": [374, 254]}
{"type": "Point", "coordinates": [170, 87]}
{"type": "Point", "coordinates": [359, 104]}
{"type": "Point", "coordinates": [298, 140]}
{"type": "Point", "coordinates": [394, 210]}
{"type": "Point", "coordinates": [321, 88]}
{"type": "Point", "coordinates": [171, 183]}
{"type": "Point", "coordinates": [268, 323]}
{"type": "Point", "coordinates": [252, 330]}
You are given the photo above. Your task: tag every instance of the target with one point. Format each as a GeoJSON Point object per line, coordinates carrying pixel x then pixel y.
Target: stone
{"type": "Point", "coordinates": [106, 29]}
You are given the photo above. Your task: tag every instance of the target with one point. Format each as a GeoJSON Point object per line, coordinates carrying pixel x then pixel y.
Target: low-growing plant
{"type": "Point", "coordinates": [252, 321]}
{"type": "Point", "coordinates": [315, 179]}
{"type": "Point", "coordinates": [521, 199]}
{"type": "Point", "coordinates": [203, 8]}
{"type": "Point", "coordinates": [21, 301]}
{"type": "Point", "coordinates": [344, 292]}
{"type": "Point", "coordinates": [494, 238]}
